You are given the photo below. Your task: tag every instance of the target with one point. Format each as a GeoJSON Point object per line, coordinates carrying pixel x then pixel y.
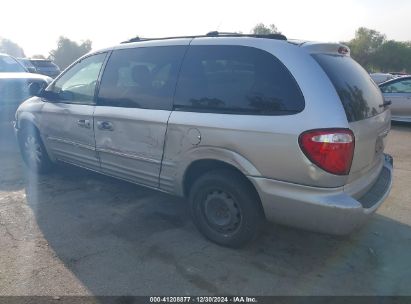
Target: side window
{"type": "Point", "coordinates": [78, 84]}
{"type": "Point", "coordinates": [236, 79]}
{"type": "Point", "coordinates": [142, 77]}
{"type": "Point", "coordinates": [401, 86]}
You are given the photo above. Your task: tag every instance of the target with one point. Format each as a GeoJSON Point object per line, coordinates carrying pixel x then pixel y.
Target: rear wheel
{"type": "Point", "coordinates": [33, 151]}
{"type": "Point", "coordinates": [225, 208]}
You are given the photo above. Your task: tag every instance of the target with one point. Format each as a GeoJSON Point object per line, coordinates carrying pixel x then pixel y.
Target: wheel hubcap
{"type": "Point", "coordinates": [222, 212]}
{"type": "Point", "coordinates": [33, 149]}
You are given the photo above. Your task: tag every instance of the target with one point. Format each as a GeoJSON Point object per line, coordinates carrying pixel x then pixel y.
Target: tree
{"type": "Point", "coordinates": [262, 29]}
{"type": "Point", "coordinates": [364, 45]}
{"type": "Point", "coordinates": [392, 56]}
{"type": "Point", "coordinates": [9, 47]}
{"type": "Point", "coordinates": [371, 49]}
{"type": "Point", "coordinates": [68, 51]}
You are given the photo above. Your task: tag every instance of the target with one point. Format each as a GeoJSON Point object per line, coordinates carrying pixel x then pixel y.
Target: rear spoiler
{"type": "Point", "coordinates": [326, 48]}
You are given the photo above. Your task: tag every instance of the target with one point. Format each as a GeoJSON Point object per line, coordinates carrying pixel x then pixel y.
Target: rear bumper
{"type": "Point", "coordinates": [327, 210]}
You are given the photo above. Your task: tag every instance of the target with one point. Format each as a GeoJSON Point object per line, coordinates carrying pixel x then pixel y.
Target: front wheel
{"type": "Point", "coordinates": [33, 151]}
{"type": "Point", "coordinates": [226, 208]}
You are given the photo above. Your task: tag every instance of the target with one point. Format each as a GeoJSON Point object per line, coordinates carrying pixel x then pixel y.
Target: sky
{"type": "Point", "coordinates": [37, 25]}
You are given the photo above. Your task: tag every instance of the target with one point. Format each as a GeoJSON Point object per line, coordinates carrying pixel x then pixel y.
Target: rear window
{"type": "Point", "coordinates": [236, 80]}
{"type": "Point", "coordinates": [43, 63]}
{"type": "Point", "coordinates": [360, 96]}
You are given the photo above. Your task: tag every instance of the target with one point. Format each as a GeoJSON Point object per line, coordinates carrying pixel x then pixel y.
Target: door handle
{"type": "Point", "coordinates": [84, 123]}
{"type": "Point", "coordinates": [105, 125]}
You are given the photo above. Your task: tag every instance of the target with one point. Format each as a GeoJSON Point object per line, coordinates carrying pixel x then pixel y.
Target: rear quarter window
{"type": "Point", "coordinates": [238, 80]}
{"type": "Point", "coordinates": [359, 95]}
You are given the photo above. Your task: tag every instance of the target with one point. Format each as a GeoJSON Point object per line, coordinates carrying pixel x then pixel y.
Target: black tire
{"type": "Point", "coordinates": [225, 208]}
{"type": "Point", "coordinates": [33, 151]}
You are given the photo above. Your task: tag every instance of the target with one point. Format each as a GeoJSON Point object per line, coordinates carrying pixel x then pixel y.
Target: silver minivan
{"type": "Point", "coordinates": [247, 127]}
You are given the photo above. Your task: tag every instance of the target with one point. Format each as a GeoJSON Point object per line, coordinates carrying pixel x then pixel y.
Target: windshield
{"type": "Point", "coordinates": [9, 64]}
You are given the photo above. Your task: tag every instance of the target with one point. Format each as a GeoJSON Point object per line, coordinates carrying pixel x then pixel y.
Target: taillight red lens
{"type": "Point", "coordinates": [330, 149]}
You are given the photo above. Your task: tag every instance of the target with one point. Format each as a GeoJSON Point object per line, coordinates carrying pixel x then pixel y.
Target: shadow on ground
{"type": "Point", "coordinates": [121, 239]}
{"type": "Point", "coordinates": [118, 238]}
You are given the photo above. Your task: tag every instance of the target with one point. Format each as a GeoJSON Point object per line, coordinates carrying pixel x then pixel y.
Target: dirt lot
{"type": "Point", "coordinates": [79, 233]}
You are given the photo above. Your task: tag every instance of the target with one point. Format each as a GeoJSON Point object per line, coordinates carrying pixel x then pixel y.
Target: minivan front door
{"type": "Point", "coordinates": [133, 106]}
{"type": "Point", "coordinates": [67, 115]}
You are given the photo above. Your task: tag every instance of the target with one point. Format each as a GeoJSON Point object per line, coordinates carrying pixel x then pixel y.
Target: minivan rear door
{"type": "Point", "coordinates": [366, 113]}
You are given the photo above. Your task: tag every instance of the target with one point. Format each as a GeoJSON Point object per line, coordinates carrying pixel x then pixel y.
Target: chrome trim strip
{"type": "Point", "coordinates": [109, 151]}
{"type": "Point", "coordinates": [132, 156]}
{"type": "Point", "coordinates": [130, 171]}
{"type": "Point", "coordinates": [69, 142]}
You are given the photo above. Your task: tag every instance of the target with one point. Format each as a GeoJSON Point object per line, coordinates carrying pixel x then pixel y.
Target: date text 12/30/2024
{"type": "Point", "coordinates": [232, 299]}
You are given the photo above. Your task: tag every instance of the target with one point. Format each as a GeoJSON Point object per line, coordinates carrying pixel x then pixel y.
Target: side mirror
{"type": "Point", "coordinates": [36, 88]}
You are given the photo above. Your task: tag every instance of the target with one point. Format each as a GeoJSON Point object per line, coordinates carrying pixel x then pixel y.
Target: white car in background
{"type": "Point", "coordinates": [381, 77]}
{"type": "Point", "coordinates": [397, 92]}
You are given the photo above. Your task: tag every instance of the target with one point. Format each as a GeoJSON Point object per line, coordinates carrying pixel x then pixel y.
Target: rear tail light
{"type": "Point", "coordinates": [330, 149]}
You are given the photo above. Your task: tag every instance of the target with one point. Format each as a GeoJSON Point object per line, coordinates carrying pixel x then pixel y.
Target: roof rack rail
{"type": "Point", "coordinates": [138, 39]}
{"type": "Point", "coordinates": [212, 34]}
{"type": "Point", "coordinates": [228, 34]}
{"type": "Point", "coordinates": [216, 33]}
{"type": "Point", "coordinates": [135, 39]}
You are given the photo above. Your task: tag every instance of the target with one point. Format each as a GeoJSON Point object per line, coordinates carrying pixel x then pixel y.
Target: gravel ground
{"type": "Point", "coordinates": [78, 233]}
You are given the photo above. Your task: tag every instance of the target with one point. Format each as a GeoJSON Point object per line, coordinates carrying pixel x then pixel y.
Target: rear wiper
{"type": "Point", "coordinates": [385, 104]}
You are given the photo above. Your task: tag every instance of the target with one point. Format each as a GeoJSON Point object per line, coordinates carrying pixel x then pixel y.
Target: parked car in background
{"type": "Point", "coordinates": [9, 64]}
{"type": "Point", "coordinates": [398, 93]}
{"type": "Point", "coordinates": [45, 67]}
{"type": "Point", "coordinates": [381, 77]}
{"type": "Point", "coordinates": [399, 74]}
{"type": "Point", "coordinates": [247, 127]}
{"type": "Point", "coordinates": [14, 86]}
{"type": "Point", "coordinates": [27, 64]}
